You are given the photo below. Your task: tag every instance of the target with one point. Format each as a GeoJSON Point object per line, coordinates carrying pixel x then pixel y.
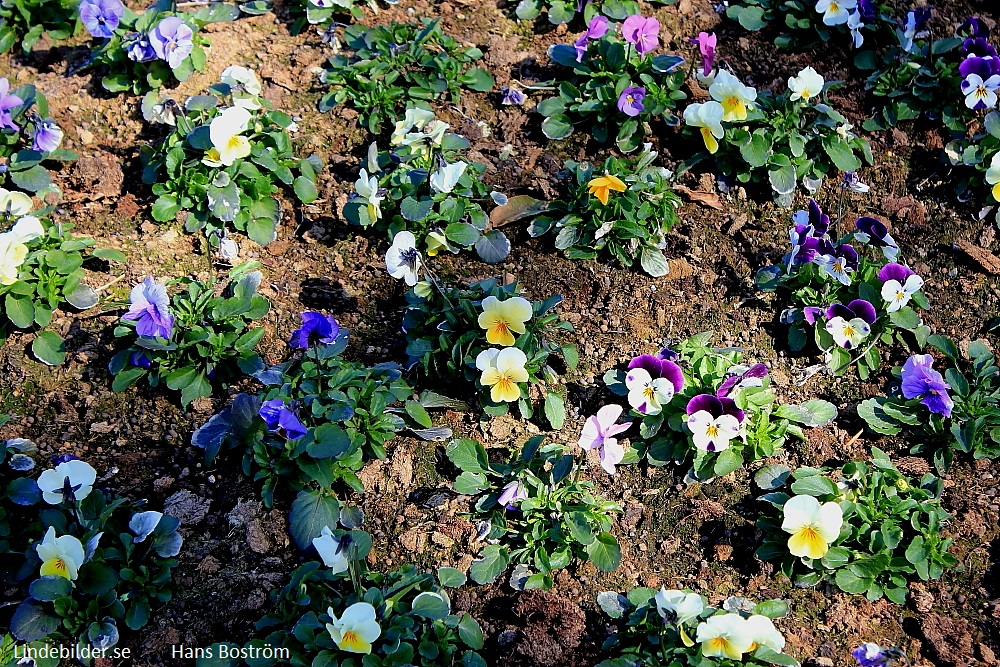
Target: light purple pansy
{"type": "Point", "coordinates": [642, 32]}
{"type": "Point", "coordinates": [7, 102]}
{"type": "Point", "coordinates": [172, 40]}
{"type": "Point", "coordinates": [149, 308]}
{"type": "Point", "coordinates": [101, 17]}
{"type": "Point", "coordinates": [47, 137]}
{"type": "Point", "coordinates": [921, 381]}
{"type": "Point", "coordinates": [597, 28]}
{"type": "Point", "coordinates": [630, 101]}
{"type": "Point", "coordinates": [599, 433]}
{"type": "Point", "coordinates": [512, 493]}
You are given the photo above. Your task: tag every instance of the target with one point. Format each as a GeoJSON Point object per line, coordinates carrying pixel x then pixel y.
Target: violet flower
{"type": "Point", "coordinates": [751, 377]}
{"type": "Point", "coordinates": [978, 47]}
{"type": "Point", "coordinates": [512, 493]}
{"type": "Point", "coordinates": [101, 17]}
{"type": "Point", "coordinates": [812, 313]}
{"type": "Point", "coordinates": [316, 328]}
{"type": "Point", "coordinates": [713, 421]}
{"type": "Point", "coordinates": [875, 232]}
{"type": "Point", "coordinates": [973, 27]}
{"type": "Point", "coordinates": [641, 32]}
{"type": "Point", "coordinates": [921, 381]}
{"type": "Point", "coordinates": [805, 246]}
{"type": "Point", "coordinates": [630, 101]}
{"type": "Point", "coordinates": [140, 359]}
{"type": "Point", "coordinates": [661, 366]}
{"type": "Point", "coordinates": [138, 48]}
{"type": "Point", "coordinates": [853, 183]}
{"type": "Point", "coordinates": [149, 308]}
{"type": "Point", "coordinates": [280, 419]}
{"type": "Point", "coordinates": [7, 102]}
{"type": "Point", "coordinates": [597, 28]}
{"type": "Point", "coordinates": [172, 40]}
{"type": "Point", "coordinates": [866, 8]}
{"type": "Point", "coordinates": [706, 46]}
{"type": "Point", "coordinates": [839, 263]}
{"type": "Point", "coordinates": [859, 308]}
{"type": "Point", "coordinates": [599, 433]}
{"type": "Point", "coordinates": [983, 67]}
{"type": "Point", "coordinates": [47, 137]}
{"type": "Point", "coordinates": [512, 96]}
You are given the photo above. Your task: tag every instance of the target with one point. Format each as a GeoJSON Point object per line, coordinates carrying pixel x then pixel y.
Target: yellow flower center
{"type": "Point", "coordinates": [234, 142]}
{"type": "Point", "coordinates": [712, 430]}
{"type": "Point", "coordinates": [848, 330]}
{"type": "Point", "coordinates": [720, 644]}
{"type": "Point", "coordinates": [900, 295]}
{"type": "Point", "coordinates": [500, 328]}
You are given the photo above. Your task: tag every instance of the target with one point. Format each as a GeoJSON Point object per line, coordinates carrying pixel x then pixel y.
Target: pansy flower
{"type": "Point", "coordinates": [835, 12]}
{"type": "Point", "coordinates": [851, 324]}
{"type": "Point", "coordinates": [14, 242]}
{"type": "Point", "coordinates": [980, 93]}
{"type": "Point", "coordinates": [736, 99]}
{"type": "Point", "coordinates": [920, 380]}
{"type": "Point", "coordinates": [993, 176]}
{"type": "Point", "coordinates": [149, 308]}
{"type": "Point", "coordinates": [630, 101]}
{"type": "Point", "coordinates": [8, 101]}
{"type": "Point", "coordinates": [738, 379]}
{"type": "Point", "coordinates": [316, 328]}
{"type": "Point", "coordinates": [599, 433]}
{"type": "Point", "coordinates": [765, 634]}
{"type": "Point", "coordinates": [724, 636]}
{"type": "Point", "coordinates": [875, 232]}
{"type": "Point", "coordinates": [47, 135]}
{"type": "Point", "coordinates": [61, 556]}
{"type": "Point", "coordinates": [679, 608]}
{"type": "Point", "coordinates": [601, 186]}
{"type": "Point", "coordinates": [402, 260]}
{"type": "Point", "coordinates": [707, 117]}
{"type": "Point", "coordinates": [806, 85]}
{"type": "Point", "coordinates": [333, 551]}
{"type": "Point", "coordinates": [171, 39]}
{"type": "Point", "coordinates": [502, 371]}
{"type": "Point", "coordinates": [101, 17]}
{"type": "Point", "coordinates": [280, 419]}
{"type": "Point", "coordinates": [870, 654]}
{"type": "Point", "coordinates": [839, 263]}
{"type": "Point", "coordinates": [597, 28]}
{"type": "Point", "coordinates": [713, 422]}
{"type": "Point", "coordinates": [512, 494]}
{"type": "Point", "coordinates": [503, 319]}
{"type": "Point", "coordinates": [511, 96]}
{"type": "Point", "coordinates": [899, 283]}
{"type": "Point", "coordinates": [855, 24]}
{"type": "Point", "coordinates": [706, 46]}
{"type": "Point", "coordinates": [70, 481]}
{"type": "Point", "coordinates": [355, 631]}
{"type": "Point", "coordinates": [973, 27]}
{"type": "Point", "coordinates": [642, 32]}
{"type": "Point", "coordinates": [813, 527]}
{"type": "Point", "coordinates": [646, 394]}
{"type": "Point", "coordinates": [661, 365]}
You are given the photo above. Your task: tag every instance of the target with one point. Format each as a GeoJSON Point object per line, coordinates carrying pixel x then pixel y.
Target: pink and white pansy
{"type": "Point", "coordinates": [652, 381]}
{"type": "Point", "coordinates": [599, 433]}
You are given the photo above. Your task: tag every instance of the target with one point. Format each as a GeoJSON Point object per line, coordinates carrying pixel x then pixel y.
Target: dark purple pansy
{"type": "Point", "coordinates": [984, 67]}
{"type": "Point", "coordinates": [978, 47]}
{"type": "Point", "coordinates": [973, 27]}
{"type": "Point", "coordinates": [140, 359]}
{"type": "Point", "coordinates": [736, 382]}
{"type": "Point", "coordinates": [875, 231]}
{"type": "Point", "coordinates": [921, 381]}
{"type": "Point", "coordinates": [819, 221]}
{"type": "Point", "coordinates": [660, 367]}
{"type": "Point", "coordinates": [805, 246]}
{"type": "Point", "coordinates": [894, 271]}
{"type": "Point", "coordinates": [847, 253]}
{"type": "Point", "coordinates": [867, 9]}
{"type": "Point", "coordinates": [715, 406]}
{"type": "Point", "coordinates": [316, 328]}
{"type": "Point", "coordinates": [280, 419]}
{"type": "Point", "coordinates": [857, 308]}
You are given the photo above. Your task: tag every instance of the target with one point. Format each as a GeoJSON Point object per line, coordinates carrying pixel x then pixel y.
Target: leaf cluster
{"type": "Point", "coordinates": [27, 20]}
{"type": "Point", "coordinates": [559, 519]}
{"type": "Point", "coordinates": [891, 532]}
{"type": "Point", "coordinates": [211, 340]}
{"type": "Point", "coordinates": [399, 65]}
{"type": "Point", "coordinates": [25, 166]}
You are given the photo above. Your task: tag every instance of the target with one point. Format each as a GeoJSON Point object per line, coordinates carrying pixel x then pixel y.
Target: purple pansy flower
{"type": "Point", "coordinates": [857, 308]}
{"type": "Point", "coordinates": [811, 313]}
{"type": "Point", "coordinates": [893, 271]}
{"type": "Point", "coordinates": [630, 101]}
{"type": "Point", "coordinates": [316, 328]}
{"type": "Point", "coordinates": [599, 433]}
{"type": "Point", "coordinates": [866, 8]}
{"type": "Point", "coordinates": [839, 262]}
{"type": "Point", "coordinates": [819, 221]}
{"type": "Point", "coordinates": [512, 493]}
{"type": "Point", "coordinates": [101, 17]}
{"type": "Point", "coordinates": [978, 47]}
{"type": "Point", "coordinates": [597, 28]}
{"type": "Point", "coordinates": [875, 232]}
{"type": "Point", "coordinates": [871, 655]}
{"type": "Point", "coordinates": [7, 102]}
{"type": "Point", "coordinates": [921, 381]}
{"type": "Point", "coordinates": [138, 48]}
{"type": "Point", "coordinates": [140, 359]}
{"type": "Point", "coordinates": [641, 32]}
{"type": "Point", "coordinates": [63, 458]}
{"type": "Point", "coordinates": [984, 68]}
{"type": "Point", "coordinates": [661, 366]}
{"type": "Point", "coordinates": [973, 27]}
{"type": "Point", "coordinates": [172, 40]}
{"type": "Point", "coordinates": [805, 246]}
{"type": "Point", "coordinates": [279, 419]}
{"type": "Point", "coordinates": [713, 421]}
{"type": "Point", "coordinates": [149, 307]}
{"type": "Point", "coordinates": [47, 137]}
{"type": "Point", "coordinates": [751, 377]}
{"type": "Point", "coordinates": [706, 46]}
{"type": "Point", "coordinates": [512, 96]}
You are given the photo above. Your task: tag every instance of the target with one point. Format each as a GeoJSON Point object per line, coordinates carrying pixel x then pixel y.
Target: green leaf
{"type": "Point", "coordinates": [492, 561]}
{"type": "Point", "coordinates": [430, 606]}
{"type": "Point", "coordinates": [772, 476]}
{"type": "Point", "coordinates": [772, 608]}
{"type": "Point", "coordinates": [415, 210]}
{"type": "Point", "coordinates": [468, 455]}
{"type": "Point", "coordinates": [165, 208]}
{"type": "Point", "coordinates": [329, 441]}
{"type": "Point", "coordinates": [653, 262]}
{"type": "Point", "coordinates": [727, 461]}
{"type": "Point", "coordinates": [49, 348]}
{"type": "Point", "coordinates": [34, 179]}
{"type": "Point", "coordinates": [451, 577]}
{"type": "Point", "coordinates": [812, 413]}
{"type": "Point", "coordinates": [470, 632]}
{"type": "Point", "coordinates": [311, 512]}
{"type": "Point", "coordinates": [841, 154]}
{"type": "Point", "coordinates": [757, 151]}
{"type": "Point", "coordinates": [605, 552]}
{"type": "Point", "coordinates": [555, 410]}
{"type": "Point", "coordinates": [305, 189]}
{"type": "Point", "coordinates": [20, 311]}
{"type": "Point", "coordinates": [557, 127]}
{"type": "Point", "coordinates": [814, 485]}
{"type": "Point", "coordinates": [418, 413]}
{"type": "Point", "coordinates": [851, 583]}
{"type": "Point", "coordinates": [917, 550]}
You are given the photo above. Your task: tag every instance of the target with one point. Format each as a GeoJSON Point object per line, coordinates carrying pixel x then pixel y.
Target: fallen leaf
{"type": "Point", "coordinates": [709, 199]}
{"type": "Point", "coordinates": [984, 258]}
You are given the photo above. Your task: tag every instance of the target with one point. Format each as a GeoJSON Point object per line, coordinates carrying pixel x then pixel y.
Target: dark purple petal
{"type": "Point", "coordinates": [839, 310]}
{"type": "Point", "coordinates": [668, 354]}
{"type": "Point", "coordinates": [270, 412]}
{"type": "Point", "coordinates": [729, 408]}
{"type": "Point", "coordinates": [847, 252]}
{"type": "Point", "coordinates": [973, 27]}
{"type": "Point", "coordinates": [975, 65]}
{"type": "Point", "coordinates": [820, 221]}
{"type": "Point", "coordinates": [672, 372]}
{"type": "Point", "coordinates": [316, 328]}
{"type": "Point", "coordinates": [940, 403]}
{"type": "Point", "coordinates": [707, 402]}
{"type": "Point", "coordinates": [894, 271]}
{"type": "Point", "coordinates": [872, 227]}
{"type": "Point", "coordinates": [863, 309]}
{"type": "Point", "coordinates": [647, 362]}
